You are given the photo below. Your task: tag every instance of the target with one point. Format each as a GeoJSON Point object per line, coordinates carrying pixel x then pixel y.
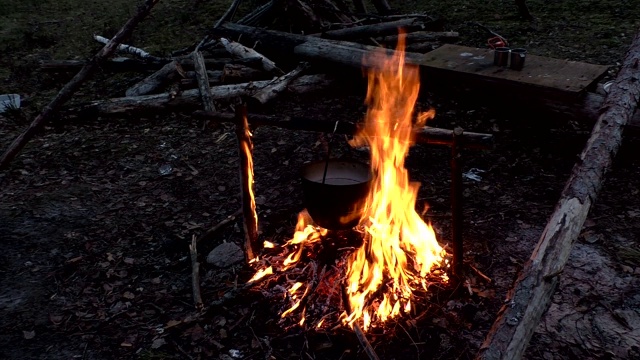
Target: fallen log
{"type": "Point", "coordinates": [157, 80]}
{"type": "Point", "coordinates": [128, 64]}
{"type": "Point", "coordinates": [72, 86]}
{"type": "Point", "coordinates": [230, 74]}
{"type": "Point", "coordinates": [189, 98]}
{"type": "Point", "coordinates": [531, 294]}
{"type": "Point", "coordinates": [374, 30]}
{"type": "Point", "coordinates": [278, 85]}
{"type": "Point", "coordinates": [423, 135]}
{"type": "Point", "coordinates": [420, 36]}
{"type": "Point", "coordinates": [477, 90]}
{"type": "Point", "coordinates": [244, 52]}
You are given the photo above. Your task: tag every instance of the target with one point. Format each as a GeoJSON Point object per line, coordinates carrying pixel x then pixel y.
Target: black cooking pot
{"type": "Point", "coordinates": [338, 203]}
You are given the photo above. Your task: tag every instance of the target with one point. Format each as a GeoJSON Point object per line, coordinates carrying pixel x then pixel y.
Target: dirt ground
{"type": "Point", "coordinates": [96, 214]}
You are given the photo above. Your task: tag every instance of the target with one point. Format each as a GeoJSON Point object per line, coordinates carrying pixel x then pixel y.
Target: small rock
{"type": "Point", "coordinates": [225, 255]}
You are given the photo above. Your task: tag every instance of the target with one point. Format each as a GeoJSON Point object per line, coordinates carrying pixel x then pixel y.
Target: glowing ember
{"type": "Point", "coordinates": [399, 248]}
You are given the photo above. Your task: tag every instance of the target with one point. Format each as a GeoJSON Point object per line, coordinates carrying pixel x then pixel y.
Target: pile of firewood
{"type": "Point", "coordinates": [219, 69]}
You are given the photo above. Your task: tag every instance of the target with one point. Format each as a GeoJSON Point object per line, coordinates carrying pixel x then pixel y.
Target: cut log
{"type": "Point", "coordinates": [532, 101]}
{"type": "Point", "coordinates": [424, 135]}
{"type": "Point", "coordinates": [244, 52]}
{"type": "Point", "coordinates": [157, 80]}
{"type": "Point", "coordinates": [531, 294]}
{"type": "Point", "coordinates": [189, 98]}
{"type": "Point", "coordinates": [235, 73]}
{"type": "Point", "coordinates": [230, 74]}
{"type": "Point", "coordinates": [278, 85]}
{"type": "Point", "coordinates": [72, 86]}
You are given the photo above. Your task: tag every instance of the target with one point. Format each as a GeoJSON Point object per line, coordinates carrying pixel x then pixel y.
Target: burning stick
{"type": "Point", "coordinates": [245, 146]}
{"type": "Point", "coordinates": [195, 274]}
{"type": "Point", "coordinates": [362, 338]}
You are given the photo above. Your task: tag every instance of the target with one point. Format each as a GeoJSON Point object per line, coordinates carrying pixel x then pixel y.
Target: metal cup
{"type": "Point", "coordinates": [517, 58]}
{"type": "Point", "coordinates": [501, 56]}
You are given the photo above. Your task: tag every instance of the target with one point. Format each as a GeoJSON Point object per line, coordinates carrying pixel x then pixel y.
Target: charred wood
{"type": "Point", "coordinates": [245, 148]}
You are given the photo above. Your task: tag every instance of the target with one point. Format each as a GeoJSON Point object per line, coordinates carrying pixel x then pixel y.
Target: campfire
{"type": "Point", "coordinates": [398, 255]}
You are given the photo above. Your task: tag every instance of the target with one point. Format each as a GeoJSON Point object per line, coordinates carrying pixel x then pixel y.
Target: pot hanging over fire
{"type": "Point", "coordinates": [337, 202]}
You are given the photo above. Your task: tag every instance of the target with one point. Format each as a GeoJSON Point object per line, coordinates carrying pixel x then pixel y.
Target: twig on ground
{"type": "Point", "coordinates": [72, 86]}
{"type": "Point", "coordinates": [368, 349]}
{"type": "Point", "coordinates": [195, 274]}
{"type": "Point", "coordinates": [209, 234]}
{"type": "Point", "coordinates": [479, 273]}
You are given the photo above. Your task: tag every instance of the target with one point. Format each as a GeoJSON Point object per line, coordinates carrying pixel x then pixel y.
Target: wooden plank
{"type": "Point", "coordinates": [561, 75]}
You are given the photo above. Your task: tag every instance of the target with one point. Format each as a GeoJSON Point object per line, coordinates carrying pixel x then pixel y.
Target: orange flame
{"type": "Point", "coordinates": [399, 247]}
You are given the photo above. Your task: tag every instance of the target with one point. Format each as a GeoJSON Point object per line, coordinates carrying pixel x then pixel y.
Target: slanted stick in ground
{"type": "Point", "coordinates": [195, 274]}
{"type": "Point", "coordinates": [242, 51]}
{"type": "Point", "coordinates": [203, 82]}
{"type": "Point", "coordinates": [72, 86]}
{"type": "Point", "coordinates": [250, 219]}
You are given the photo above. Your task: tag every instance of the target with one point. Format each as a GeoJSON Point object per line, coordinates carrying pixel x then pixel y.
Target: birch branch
{"type": "Point", "coordinates": [242, 51]}
{"type": "Point", "coordinates": [128, 49]}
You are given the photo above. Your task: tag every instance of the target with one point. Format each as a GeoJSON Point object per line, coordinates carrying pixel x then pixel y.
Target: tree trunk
{"type": "Point", "coordinates": [530, 296]}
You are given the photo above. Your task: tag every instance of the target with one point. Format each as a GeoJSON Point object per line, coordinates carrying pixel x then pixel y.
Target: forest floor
{"type": "Point", "coordinates": [94, 262]}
